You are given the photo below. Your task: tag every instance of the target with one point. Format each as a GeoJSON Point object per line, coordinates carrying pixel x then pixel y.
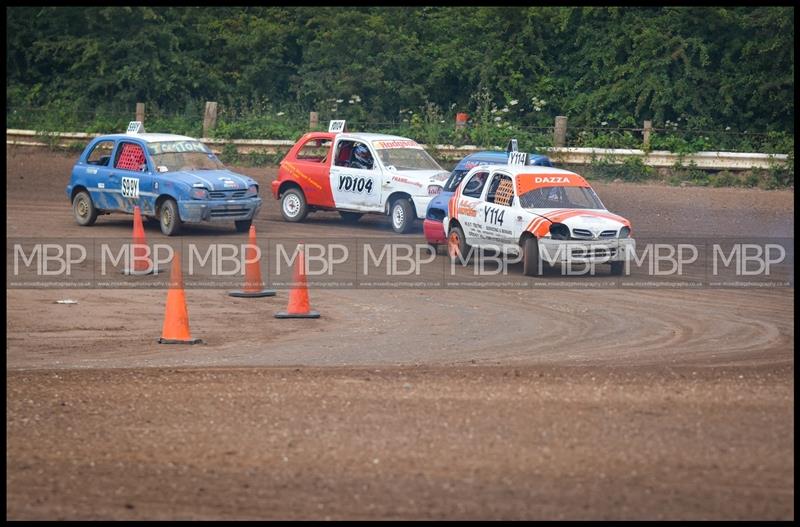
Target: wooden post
{"type": "Point", "coordinates": [648, 128]}
{"type": "Point", "coordinates": [210, 118]}
{"type": "Point", "coordinates": [140, 112]}
{"type": "Point", "coordinates": [560, 131]}
{"type": "Point", "coordinates": [313, 120]}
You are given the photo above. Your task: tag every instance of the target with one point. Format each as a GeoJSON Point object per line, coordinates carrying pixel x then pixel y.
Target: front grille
{"type": "Point", "coordinates": [226, 194]}
{"type": "Point", "coordinates": [594, 252]}
{"type": "Point", "coordinates": [581, 233]}
{"type": "Point", "coordinates": [608, 234]}
{"type": "Point", "coordinates": [223, 213]}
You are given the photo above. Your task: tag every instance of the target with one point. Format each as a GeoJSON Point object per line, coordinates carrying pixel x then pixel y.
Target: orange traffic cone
{"type": "Point", "coordinates": [253, 286]}
{"type": "Point", "coordinates": [176, 317]}
{"type": "Point", "coordinates": [298, 296]}
{"type": "Point", "coordinates": [142, 264]}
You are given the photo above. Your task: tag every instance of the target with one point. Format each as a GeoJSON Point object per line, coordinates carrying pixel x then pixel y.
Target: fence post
{"type": "Point", "coordinates": [648, 127]}
{"type": "Point", "coordinates": [140, 112]}
{"type": "Point", "coordinates": [210, 117]}
{"type": "Point", "coordinates": [313, 120]}
{"type": "Point", "coordinates": [560, 131]}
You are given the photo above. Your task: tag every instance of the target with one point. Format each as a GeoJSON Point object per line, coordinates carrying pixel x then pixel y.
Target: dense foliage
{"type": "Point", "coordinates": [681, 67]}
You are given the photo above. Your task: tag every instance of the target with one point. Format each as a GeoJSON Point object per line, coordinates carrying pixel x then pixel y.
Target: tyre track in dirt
{"type": "Point", "coordinates": [118, 328]}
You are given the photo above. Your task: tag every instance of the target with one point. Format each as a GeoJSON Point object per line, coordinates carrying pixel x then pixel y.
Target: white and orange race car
{"type": "Point", "coordinates": [544, 214]}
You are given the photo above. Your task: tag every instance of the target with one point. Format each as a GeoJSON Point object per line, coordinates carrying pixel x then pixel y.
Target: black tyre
{"type": "Point", "coordinates": [350, 217]}
{"type": "Point", "coordinates": [293, 205]}
{"type": "Point", "coordinates": [243, 225]}
{"type": "Point", "coordinates": [170, 218]}
{"type": "Point", "coordinates": [84, 209]}
{"type": "Point", "coordinates": [617, 268]}
{"type": "Point", "coordinates": [403, 215]}
{"type": "Point", "coordinates": [457, 246]}
{"type": "Point", "coordinates": [530, 257]}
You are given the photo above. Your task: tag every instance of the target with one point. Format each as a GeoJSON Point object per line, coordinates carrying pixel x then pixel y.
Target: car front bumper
{"type": "Point", "coordinates": [196, 211]}
{"type": "Point", "coordinates": [586, 251]}
{"type": "Point", "coordinates": [434, 231]}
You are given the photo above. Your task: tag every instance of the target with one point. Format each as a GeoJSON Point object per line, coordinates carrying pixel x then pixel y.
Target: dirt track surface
{"type": "Point", "coordinates": [415, 443]}
{"type": "Point", "coordinates": [706, 445]}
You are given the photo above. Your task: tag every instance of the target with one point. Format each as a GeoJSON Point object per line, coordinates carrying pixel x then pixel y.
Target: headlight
{"type": "Point", "coordinates": [252, 191]}
{"type": "Point", "coordinates": [199, 193]}
{"type": "Point", "coordinates": [625, 232]}
{"type": "Point", "coordinates": [434, 190]}
{"type": "Point", "coordinates": [559, 231]}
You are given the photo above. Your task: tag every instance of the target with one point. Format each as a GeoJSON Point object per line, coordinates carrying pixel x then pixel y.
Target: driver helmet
{"type": "Point", "coordinates": [361, 155]}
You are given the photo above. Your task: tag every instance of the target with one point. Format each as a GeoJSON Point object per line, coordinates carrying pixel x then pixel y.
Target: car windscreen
{"type": "Point", "coordinates": [172, 156]}
{"type": "Point", "coordinates": [454, 179]}
{"type": "Point", "coordinates": [408, 159]}
{"type": "Point", "coordinates": [561, 198]}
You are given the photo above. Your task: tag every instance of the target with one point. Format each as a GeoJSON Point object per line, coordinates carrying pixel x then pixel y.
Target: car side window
{"type": "Point", "coordinates": [474, 187]}
{"type": "Point", "coordinates": [101, 153]}
{"type": "Point", "coordinates": [501, 190]}
{"type": "Point", "coordinates": [130, 156]}
{"type": "Point", "coordinates": [314, 151]}
{"type": "Point", "coordinates": [343, 151]}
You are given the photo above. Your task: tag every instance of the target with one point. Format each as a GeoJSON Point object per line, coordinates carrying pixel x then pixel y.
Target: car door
{"type": "Point", "coordinates": [355, 188]}
{"type": "Point", "coordinates": [311, 165]}
{"type": "Point", "coordinates": [498, 218]}
{"type": "Point", "coordinates": [98, 168]}
{"type": "Point", "coordinates": [130, 176]}
{"type": "Point", "coordinates": [469, 207]}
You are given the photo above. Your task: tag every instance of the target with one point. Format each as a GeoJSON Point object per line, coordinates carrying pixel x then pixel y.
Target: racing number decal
{"type": "Point", "coordinates": [517, 158]}
{"type": "Point", "coordinates": [359, 185]}
{"type": "Point", "coordinates": [130, 187]}
{"type": "Point", "coordinates": [493, 215]}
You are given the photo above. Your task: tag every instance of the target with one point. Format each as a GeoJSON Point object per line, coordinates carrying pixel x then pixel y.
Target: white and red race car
{"type": "Point", "coordinates": [546, 214]}
{"type": "Point", "coordinates": [356, 173]}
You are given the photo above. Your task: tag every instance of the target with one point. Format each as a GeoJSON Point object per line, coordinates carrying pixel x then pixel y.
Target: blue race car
{"type": "Point", "coordinates": [437, 208]}
{"type": "Point", "coordinates": [172, 178]}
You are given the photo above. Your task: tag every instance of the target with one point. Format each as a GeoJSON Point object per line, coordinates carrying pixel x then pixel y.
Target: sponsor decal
{"type": "Point", "coordinates": [467, 208]}
{"type": "Point", "coordinates": [298, 174]}
{"type": "Point", "coordinates": [130, 187]}
{"type": "Point", "coordinates": [528, 182]}
{"type": "Point", "coordinates": [91, 171]}
{"type": "Point", "coordinates": [406, 181]}
{"type": "Point", "coordinates": [400, 143]}
{"type": "Point", "coordinates": [176, 146]}
{"type": "Point", "coordinates": [101, 185]}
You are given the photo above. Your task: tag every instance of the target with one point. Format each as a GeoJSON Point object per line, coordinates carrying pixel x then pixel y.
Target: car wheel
{"type": "Point", "coordinates": [530, 257]}
{"type": "Point", "coordinates": [350, 217]}
{"type": "Point", "coordinates": [457, 247]}
{"type": "Point", "coordinates": [170, 219]}
{"type": "Point", "coordinates": [84, 209]}
{"type": "Point", "coordinates": [293, 205]}
{"type": "Point", "coordinates": [402, 215]}
{"type": "Point", "coordinates": [617, 268]}
{"type": "Point", "coordinates": [243, 225]}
